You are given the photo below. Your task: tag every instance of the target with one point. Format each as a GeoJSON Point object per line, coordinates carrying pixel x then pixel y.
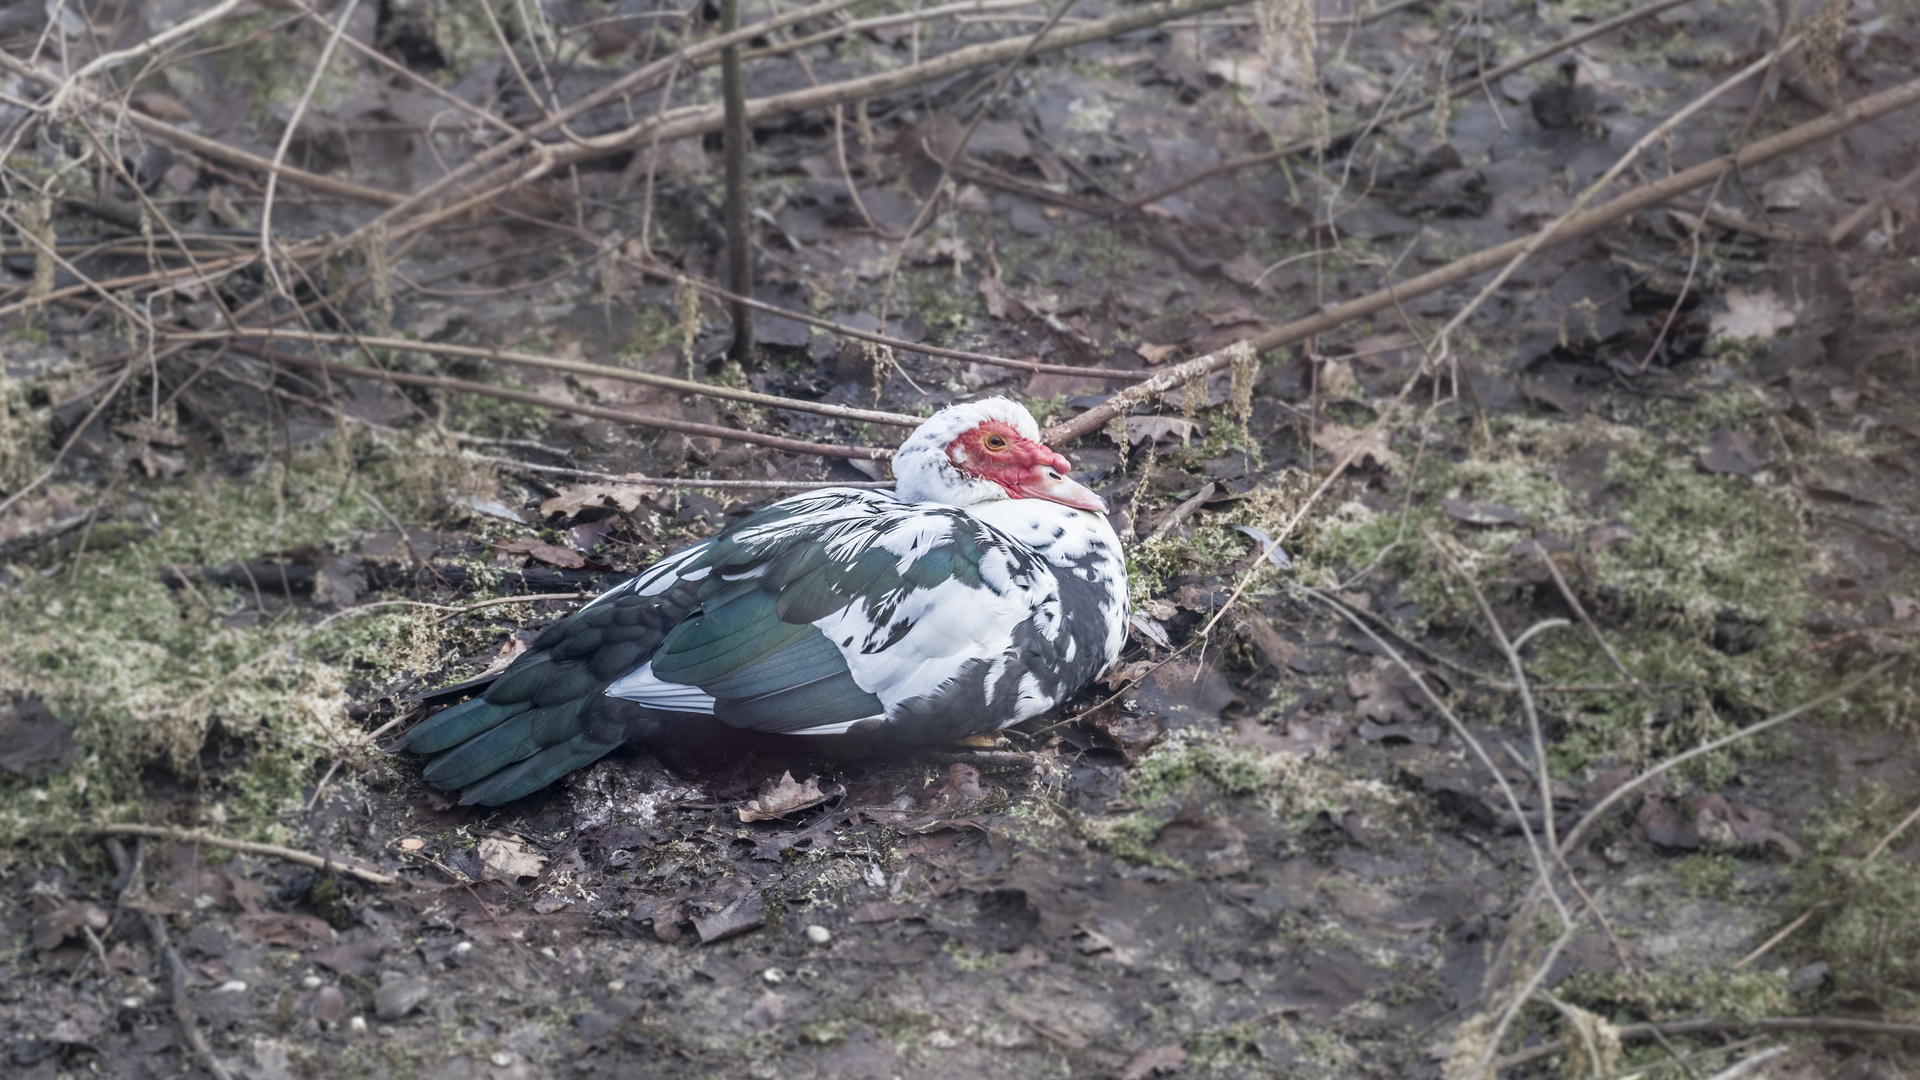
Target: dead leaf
{"type": "Point", "coordinates": [1153, 354]}
{"type": "Point", "coordinates": [1356, 446]}
{"type": "Point", "coordinates": [1162, 430]}
{"type": "Point", "coordinates": [1150, 629]}
{"type": "Point", "coordinates": [1722, 823]}
{"type": "Point", "coordinates": [782, 797]}
{"type": "Point", "coordinates": [1245, 270]}
{"type": "Point", "coordinates": [962, 788]}
{"type": "Point", "coordinates": [509, 859]}
{"type": "Point", "coordinates": [1482, 512]}
{"type": "Point", "coordinates": [541, 551]}
{"type": "Point", "coordinates": [625, 498]}
{"type": "Point", "coordinates": [1337, 380]}
{"type": "Point", "coordinates": [1126, 673]}
{"type": "Point", "coordinates": [1387, 694]}
{"type": "Point", "coordinates": [747, 913]}
{"type": "Point", "coordinates": [161, 107]}
{"type": "Point", "coordinates": [150, 432]}
{"type": "Point", "coordinates": [767, 1011]}
{"type": "Point", "coordinates": [509, 652]}
{"type": "Point", "coordinates": [1795, 190]}
{"type": "Point", "coordinates": [1902, 608]}
{"type": "Point", "coordinates": [1729, 451]}
{"type": "Point", "coordinates": [33, 743]}
{"type": "Point", "coordinates": [1153, 1061]}
{"type": "Point", "coordinates": [1602, 537]}
{"type": "Point", "coordinates": [1132, 733]}
{"type": "Point", "coordinates": [290, 930]}
{"type": "Point", "coordinates": [1751, 315]}
{"type": "Point", "coordinates": [61, 921]}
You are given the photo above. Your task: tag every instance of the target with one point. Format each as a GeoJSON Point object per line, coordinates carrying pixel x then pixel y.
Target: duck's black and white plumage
{"type": "Point", "coordinates": [982, 591]}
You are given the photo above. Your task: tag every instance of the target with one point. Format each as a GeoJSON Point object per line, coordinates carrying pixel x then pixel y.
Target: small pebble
{"type": "Point", "coordinates": [329, 1005]}
{"type": "Point", "coordinates": [462, 950]}
{"type": "Point", "coordinates": [774, 976]}
{"type": "Point", "coordinates": [231, 986]}
{"type": "Point", "coordinates": [357, 1025]}
{"type": "Point", "coordinates": [310, 982]}
{"type": "Point", "coordinates": [818, 934]}
{"type": "Point", "coordinates": [501, 1059]}
{"type": "Point", "coordinates": [614, 986]}
{"type": "Point", "coordinates": [131, 1003]}
{"type": "Point", "coordinates": [384, 1031]}
{"type": "Point", "coordinates": [399, 994]}
{"type": "Point", "coordinates": [547, 951]}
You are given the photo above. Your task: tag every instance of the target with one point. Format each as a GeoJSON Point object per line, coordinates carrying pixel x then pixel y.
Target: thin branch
{"type": "Point", "coordinates": [1425, 104]}
{"type": "Point", "coordinates": [153, 44]}
{"type": "Point", "coordinates": [707, 119]}
{"type": "Point", "coordinates": [636, 480]}
{"type": "Point", "coordinates": [286, 140]}
{"type": "Point", "coordinates": [168, 956]}
{"type": "Point", "coordinates": [1641, 198]}
{"type": "Point", "coordinates": [684, 427]}
{"type": "Point", "coordinates": [207, 839]}
{"type": "Point", "coordinates": [576, 367]}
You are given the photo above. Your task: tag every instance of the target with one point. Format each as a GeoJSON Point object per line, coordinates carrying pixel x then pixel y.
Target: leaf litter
{"type": "Point", "coordinates": [1266, 856]}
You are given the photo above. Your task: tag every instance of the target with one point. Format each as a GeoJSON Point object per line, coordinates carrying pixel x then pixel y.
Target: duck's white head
{"type": "Point", "coordinates": [985, 451]}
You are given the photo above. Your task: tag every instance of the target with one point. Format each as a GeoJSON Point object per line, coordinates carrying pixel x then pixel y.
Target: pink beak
{"type": "Point", "coordinates": [1052, 484]}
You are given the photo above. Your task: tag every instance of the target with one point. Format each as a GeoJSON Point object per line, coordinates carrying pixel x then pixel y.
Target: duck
{"type": "Point", "coordinates": [985, 589]}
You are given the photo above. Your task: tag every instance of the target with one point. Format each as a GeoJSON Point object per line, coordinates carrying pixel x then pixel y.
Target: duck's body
{"type": "Point", "coordinates": [982, 593]}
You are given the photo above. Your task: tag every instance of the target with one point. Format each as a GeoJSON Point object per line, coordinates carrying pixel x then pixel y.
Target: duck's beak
{"type": "Point", "coordinates": [1052, 484]}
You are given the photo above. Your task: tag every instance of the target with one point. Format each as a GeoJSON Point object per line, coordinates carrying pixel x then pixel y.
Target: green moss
{"type": "Point", "coordinates": [142, 671]}
{"type": "Point", "coordinates": [1743, 995]}
{"type": "Point", "coordinates": [1706, 876]}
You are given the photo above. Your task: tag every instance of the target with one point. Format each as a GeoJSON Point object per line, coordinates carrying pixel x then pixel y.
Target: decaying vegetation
{"type": "Point", "coordinates": [1514, 413]}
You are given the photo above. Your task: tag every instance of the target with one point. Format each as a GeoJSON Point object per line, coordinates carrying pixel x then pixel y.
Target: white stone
{"type": "Point", "coordinates": [818, 934]}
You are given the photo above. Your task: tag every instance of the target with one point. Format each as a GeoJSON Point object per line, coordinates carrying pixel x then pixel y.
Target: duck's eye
{"type": "Point", "coordinates": [996, 442]}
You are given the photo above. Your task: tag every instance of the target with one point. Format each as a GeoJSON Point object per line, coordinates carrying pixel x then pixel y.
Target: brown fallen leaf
{"type": "Point", "coordinates": [541, 551]}
{"type": "Point", "coordinates": [1153, 1061]}
{"type": "Point", "coordinates": [1482, 512]}
{"type": "Point", "coordinates": [784, 796]}
{"type": "Point", "coordinates": [1349, 444]}
{"type": "Point", "coordinates": [1903, 608]}
{"type": "Point", "coordinates": [289, 930]}
{"type": "Point", "coordinates": [747, 913]}
{"type": "Point", "coordinates": [1751, 315]}
{"type": "Point", "coordinates": [1729, 451]}
{"type": "Point", "coordinates": [625, 498]}
{"type": "Point", "coordinates": [60, 921]}
{"type": "Point", "coordinates": [1153, 354]}
{"type": "Point", "coordinates": [1134, 735]}
{"type": "Point", "coordinates": [509, 859]}
{"type": "Point", "coordinates": [1170, 430]}
{"type": "Point", "coordinates": [961, 789]}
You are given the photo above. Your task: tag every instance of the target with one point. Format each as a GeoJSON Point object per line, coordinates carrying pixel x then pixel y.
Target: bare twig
{"type": "Point", "coordinates": [662, 423]}
{"type": "Point", "coordinates": [1300, 146]}
{"type": "Point", "coordinates": [1845, 226]}
{"type": "Point", "coordinates": [576, 367]}
{"type": "Point", "coordinates": [671, 482]}
{"type": "Point", "coordinates": [183, 28]}
{"type": "Point", "coordinates": [286, 140]}
{"type": "Point", "coordinates": [1641, 198]}
{"type": "Point", "coordinates": [1788, 930]}
{"type": "Point", "coordinates": [207, 839]}
{"type": "Point", "coordinates": [176, 971]}
{"type": "Point", "coordinates": [707, 119]}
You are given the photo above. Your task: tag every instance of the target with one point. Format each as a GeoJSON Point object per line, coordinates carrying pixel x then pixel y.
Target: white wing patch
{"type": "Point", "coordinates": [836, 729]}
{"type": "Point", "coordinates": [645, 688]}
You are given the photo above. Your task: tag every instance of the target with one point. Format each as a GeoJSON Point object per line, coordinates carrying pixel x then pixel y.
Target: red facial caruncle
{"type": "Point", "coordinates": [1024, 468]}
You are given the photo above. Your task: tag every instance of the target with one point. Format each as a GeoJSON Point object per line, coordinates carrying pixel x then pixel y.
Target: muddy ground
{"type": "Point", "coordinates": [1271, 853]}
